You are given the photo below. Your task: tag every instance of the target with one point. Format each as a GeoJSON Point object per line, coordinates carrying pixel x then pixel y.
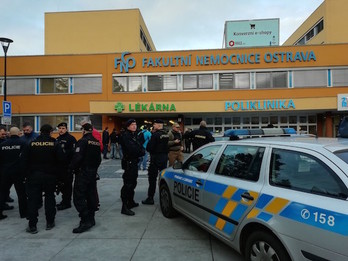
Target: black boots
{"type": "Point", "coordinates": [84, 226]}
{"type": "Point", "coordinates": [148, 201]}
{"type": "Point", "coordinates": [32, 229]}
{"type": "Point", "coordinates": [126, 211]}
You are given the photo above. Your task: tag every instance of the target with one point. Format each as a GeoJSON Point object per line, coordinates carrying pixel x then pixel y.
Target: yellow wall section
{"type": "Point", "coordinates": [104, 31]}
{"type": "Point", "coordinates": [335, 31]}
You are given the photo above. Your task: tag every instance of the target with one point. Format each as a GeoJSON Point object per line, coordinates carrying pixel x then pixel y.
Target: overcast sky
{"type": "Point", "coordinates": [173, 24]}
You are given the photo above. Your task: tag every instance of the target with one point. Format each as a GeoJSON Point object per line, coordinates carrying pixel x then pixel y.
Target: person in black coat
{"type": "Point", "coordinates": [85, 164]}
{"type": "Point", "coordinates": [13, 160]}
{"type": "Point", "coordinates": [67, 142]}
{"type": "Point", "coordinates": [132, 151]}
{"type": "Point", "coordinates": [106, 140]}
{"type": "Point", "coordinates": [44, 156]}
{"type": "Point", "coordinates": [201, 136]}
{"type": "Point", "coordinates": [158, 149]}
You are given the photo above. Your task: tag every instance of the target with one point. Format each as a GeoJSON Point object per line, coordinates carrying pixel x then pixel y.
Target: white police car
{"type": "Point", "coordinates": [274, 198]}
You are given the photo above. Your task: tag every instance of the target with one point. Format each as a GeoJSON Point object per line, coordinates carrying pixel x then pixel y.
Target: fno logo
{"type": "Point", "coordinates": [125, 63]}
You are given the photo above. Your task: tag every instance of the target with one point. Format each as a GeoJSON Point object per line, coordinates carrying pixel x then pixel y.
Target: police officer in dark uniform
{"type": "Point", "coordinates": [13, 159]}
{"type": "Point", "coordinates": [85, 163]}
{"type": "Point", "coordinates": [45, 154]}
{"type": "Point", "coordinates": [67, 142]}
{"type": "Point", "coordinates": [158, 149]}
{"type": "Point", "coordinates": [201, 136]}
{"type": "Point", "coordinates": [132, 151]}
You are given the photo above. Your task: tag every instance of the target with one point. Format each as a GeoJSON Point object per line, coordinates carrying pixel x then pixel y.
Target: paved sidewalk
{"type": "Point", "coordinates": [146, 236]}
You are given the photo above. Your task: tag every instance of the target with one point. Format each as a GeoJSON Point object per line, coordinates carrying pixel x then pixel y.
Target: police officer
{"type": "Point", "coordinates": [158, 149]}
{"type": "Point", "coordinates": [85, 163]}
{"type": "Point", "coordinates": [67, 142]}
{"type": "Point", "coordinates": [132, 151]}
{"type": "Point", "coordinates": [13, 159]}
{"type": "Point", "coordinates": [45, 155]}
{"type": "Point", "coordinates": [201, 136]}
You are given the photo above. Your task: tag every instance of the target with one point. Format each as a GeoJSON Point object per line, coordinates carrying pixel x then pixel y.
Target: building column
{"type": "Point", "coordinates": [320, 120]}
{"type": "Point", "coordinates": [328, 125]}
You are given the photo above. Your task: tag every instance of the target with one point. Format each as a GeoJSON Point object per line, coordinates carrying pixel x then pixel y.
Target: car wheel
{"type": "Point", "coordinates": [261, 245]}
{"type": "Point", "coordinates": [166, 202]}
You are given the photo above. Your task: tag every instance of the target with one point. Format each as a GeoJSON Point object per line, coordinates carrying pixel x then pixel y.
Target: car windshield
{"type": "Point", "coordinates": [342, 154]}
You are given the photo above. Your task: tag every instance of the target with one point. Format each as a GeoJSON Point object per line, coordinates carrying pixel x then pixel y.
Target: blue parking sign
{"type": "Point", "coordinates": [7, 108]}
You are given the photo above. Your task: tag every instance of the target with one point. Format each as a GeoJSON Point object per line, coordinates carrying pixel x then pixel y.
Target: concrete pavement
{"type": "Point", "coordinates": [146, 236]}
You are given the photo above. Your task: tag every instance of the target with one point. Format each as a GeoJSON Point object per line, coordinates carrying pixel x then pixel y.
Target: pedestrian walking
{"type": "Point", "coordinates": [175, 145]}
{"type": "Point", "coordinates": [13, 160]}
{"type": "Point", "coordinates": [118, 144]}
{"type": "Point", "coordinates": [158, 149]}
{"type": "Point", "coordinates": [84, 164]}
{"type": "Point", "coordinates": [132, 151]}
{"type": "Point", "coordinates": [106, 140]}
{"type": "Point", "coordinates": [67, 142]}
{"type": "Point", "coordinates": [44, 157]}
{"type": "Point", "coordinates": [144, 137]}
{"type": "Point", "coordinates": [113, 141]}
{"type": "Point", "coordinates": [201, 136]}
{"type": "Point", "coordinates": [188, 140]}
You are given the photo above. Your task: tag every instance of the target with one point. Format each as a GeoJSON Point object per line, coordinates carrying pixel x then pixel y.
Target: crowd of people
{"type": "Point", "coordinates": [40, 166]}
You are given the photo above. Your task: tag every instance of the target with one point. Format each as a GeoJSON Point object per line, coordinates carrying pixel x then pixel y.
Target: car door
{"type": "Point", "coordinates": [233, 187]}
{"type": "Point", "coordinates": [188, 183]}
{"type": "Point", "coordinates": [314, 209]}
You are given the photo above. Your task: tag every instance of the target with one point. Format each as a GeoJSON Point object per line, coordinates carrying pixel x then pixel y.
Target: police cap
{"type": "Point", "coordinates": [158, 121]}
{"type": "Point", "coordinates": [46, 129]}
{"type": "Point", "coordinates": [87, 127]}
{"type": "Point", "coordinates": [63, 124]}
{"type": "Point", "coordinates": [129, 122]}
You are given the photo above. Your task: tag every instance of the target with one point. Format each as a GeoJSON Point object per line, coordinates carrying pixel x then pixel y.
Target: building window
{"type": "Point", "coordinates": [54, 85]}
{"type": "Point", "coordinates": [127, 84]}
{"type": "Point", "coordinates": [144, 40]}
{"type": "Point", "coordinates": [311, 33]}
{"type": "Point", "coordinates": [267, 80]}
{"type": "Point", "coordinates": [161, 82]}
{"type": "Point", "coordinates": [229, 81]}
{"type": "Point", "coordinates": [87, 84]}
{"type": "Point", "coordinates": [340, 77]}
{"type": "Point", "coordinates": [18, 121]}
{"type": "Point", "coordinates": [201, 81]}
{"type": "Point", "coordinates": [95, 120]}
{"type": "Point", "coordinates": [310, 78]}
{"type": "Point", "coordinates": [53, 120]}
{"type": "Point", "coordinates": [20, 86]}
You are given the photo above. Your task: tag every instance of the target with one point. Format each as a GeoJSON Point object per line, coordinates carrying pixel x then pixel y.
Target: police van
{"type": "Point", "coordinates": [282, 197]}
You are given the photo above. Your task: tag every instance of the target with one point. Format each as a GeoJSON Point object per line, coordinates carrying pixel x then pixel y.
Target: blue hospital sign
{"type": "Point", "coordinates": [342, 102]}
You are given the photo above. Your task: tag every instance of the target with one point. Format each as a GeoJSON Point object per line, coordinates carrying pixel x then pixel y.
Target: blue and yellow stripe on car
{"type": "Point", "coordinates": [230, 208]}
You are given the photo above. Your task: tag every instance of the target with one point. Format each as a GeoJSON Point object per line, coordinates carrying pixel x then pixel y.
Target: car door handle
{"type": "Point", "coordinates": [246, 195]}
{"type": "Point", "coordinates": [199, 182]}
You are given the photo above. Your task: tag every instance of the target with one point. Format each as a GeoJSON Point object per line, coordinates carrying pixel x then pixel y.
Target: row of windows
{"type": "Point", "coordinates": [303, 123]}
{"type": "Point", "coordinates": [67, 85]}
{"type": "Point", "coordinates": [228, 81]}
{"type": "Point", "coordinates": [74, 121]}
{"type": "Point", "coordinates": [149, 83]}
{"type": "Point", "coordinates": [311, 33]}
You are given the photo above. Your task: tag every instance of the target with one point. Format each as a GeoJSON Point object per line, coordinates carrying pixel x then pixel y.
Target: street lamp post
{"type": "Point", "coordinates": [5, 42]}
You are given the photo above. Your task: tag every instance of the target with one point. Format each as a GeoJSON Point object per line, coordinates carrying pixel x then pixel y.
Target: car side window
{"type": "Point", "coordinates": [300, 171]}
{"type": "Point", "coordinates": [240, 161]}
{"type": "Point", "coordinates": [201, 159]}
